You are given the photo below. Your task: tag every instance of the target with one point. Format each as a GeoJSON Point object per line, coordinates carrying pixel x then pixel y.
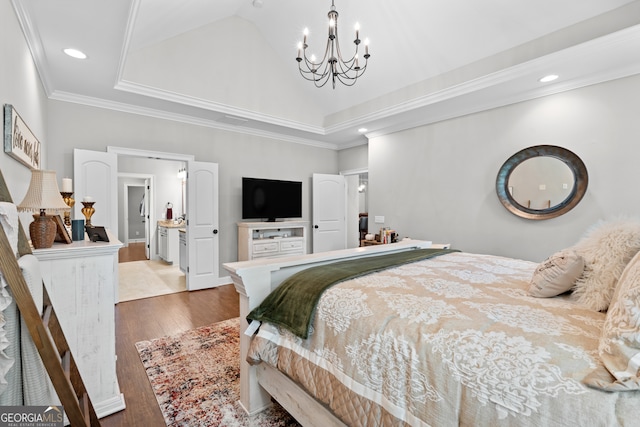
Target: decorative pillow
{"type": "Point", "coordinates": [606, 248]}
{"type": "Point", "coordinates": [556, 275]}
{"type": "Point", "coordinates": [620, 341]}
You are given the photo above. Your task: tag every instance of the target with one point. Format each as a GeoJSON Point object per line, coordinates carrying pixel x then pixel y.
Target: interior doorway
{"type": "Point", "coordinates": [357, 205]}
{"type": "Point", "coordinates": [135, 192]}
{"type": "Point", "coordinates": [135, 214]}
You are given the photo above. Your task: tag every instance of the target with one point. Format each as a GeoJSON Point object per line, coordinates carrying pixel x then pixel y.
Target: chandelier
{"type": "Point", "coordinates": [332, 66]}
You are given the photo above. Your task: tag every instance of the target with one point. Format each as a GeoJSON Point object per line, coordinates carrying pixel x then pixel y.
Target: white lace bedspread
{"type": "Point", "coordinates": [453, 340]}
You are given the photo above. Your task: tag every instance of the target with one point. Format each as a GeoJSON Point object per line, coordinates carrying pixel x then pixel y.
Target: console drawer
{"type": "Point", "coordinates": [263, 248]}
{"type": "Point", "coordinates": [291, 245]}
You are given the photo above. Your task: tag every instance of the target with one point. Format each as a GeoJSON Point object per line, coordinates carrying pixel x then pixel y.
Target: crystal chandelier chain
{"type": "Point", "coordinates": [332, 66]}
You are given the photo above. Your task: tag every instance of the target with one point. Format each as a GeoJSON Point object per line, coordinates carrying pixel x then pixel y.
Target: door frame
{"type": "Point", "coordinates": [349, 214]}
{"type": "Point", "coordinates": [158, 155]}
{"type": "Point", "coordinates": [149, 202]}
{"type": "Point", "coordinates": [189, 159]}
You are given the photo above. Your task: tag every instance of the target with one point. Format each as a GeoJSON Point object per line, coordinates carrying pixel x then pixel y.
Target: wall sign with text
{"type": "Point", "coordinates": [19, 142]}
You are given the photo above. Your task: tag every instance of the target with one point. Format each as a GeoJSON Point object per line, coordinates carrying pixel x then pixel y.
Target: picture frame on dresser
{"type": "Point", "coordinates": [96, 233]}
{"type": "Point", "coordinates": [62, 234]}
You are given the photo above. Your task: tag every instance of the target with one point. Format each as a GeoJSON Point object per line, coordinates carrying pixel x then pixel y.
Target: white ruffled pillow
{"type": "Point", "coordinates": [606, 248]}
{"type": "Point", "coordinates": [556, 275]}
{"type": "Point", "coordinates": [620, 341]}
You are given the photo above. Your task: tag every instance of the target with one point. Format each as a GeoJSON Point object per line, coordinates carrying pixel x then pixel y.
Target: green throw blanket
{"type": "Point", "coordinates": [293, 303]}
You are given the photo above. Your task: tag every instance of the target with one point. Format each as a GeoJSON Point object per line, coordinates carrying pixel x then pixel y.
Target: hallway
{"type": "Point", "coordinates": [141, 278]}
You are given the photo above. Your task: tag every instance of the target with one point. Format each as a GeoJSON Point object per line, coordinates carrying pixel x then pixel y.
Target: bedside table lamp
{"type": "Point", "coordinates": [43, 194]}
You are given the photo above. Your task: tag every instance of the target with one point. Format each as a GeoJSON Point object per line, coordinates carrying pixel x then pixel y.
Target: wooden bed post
{"type": "Point", "coordinates": [253, 397]}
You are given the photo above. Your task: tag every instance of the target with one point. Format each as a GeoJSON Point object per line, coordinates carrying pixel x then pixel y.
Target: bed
{"type": "Point", "coordinates": [452, 339]}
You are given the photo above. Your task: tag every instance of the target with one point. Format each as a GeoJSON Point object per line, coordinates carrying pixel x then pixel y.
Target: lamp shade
{"type": "Point", "coordinates": [43, 193]}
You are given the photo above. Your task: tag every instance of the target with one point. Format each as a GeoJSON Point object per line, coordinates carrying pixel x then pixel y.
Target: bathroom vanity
{"type": "Point", "coordinates": [168, 240]}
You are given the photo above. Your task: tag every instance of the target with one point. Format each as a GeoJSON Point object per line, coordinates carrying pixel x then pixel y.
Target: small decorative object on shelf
{"type": "Point", "coordinates": [77, 229]}
{"type": "Point", "coordinates": [387, 236]}
{"type": "Point", "coordinates": [67, 192]}
{"type": "Point", "coordinates": [66, 196]}
{"type": "Point", "coordinates": [88, 209]}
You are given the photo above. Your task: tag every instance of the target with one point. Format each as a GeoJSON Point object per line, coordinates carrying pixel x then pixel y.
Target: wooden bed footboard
{"type": "Point", "coordinates": [254, 280]}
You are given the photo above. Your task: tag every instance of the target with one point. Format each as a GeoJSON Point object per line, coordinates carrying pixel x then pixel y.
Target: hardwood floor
{"type": "Point", "coordinates": [133, 252]}
{"type": "Point", "coordinates": [153, 318]}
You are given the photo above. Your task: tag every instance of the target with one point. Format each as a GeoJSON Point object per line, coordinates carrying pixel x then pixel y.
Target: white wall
{"type": "Point", "coordinates": [437, 182]}
{"type": "Point", "coordinates": [354, 158]}
{"type": "Point", "coordinates": [20, 86]}
{"type": "Point", "coordinates": [76, 126]}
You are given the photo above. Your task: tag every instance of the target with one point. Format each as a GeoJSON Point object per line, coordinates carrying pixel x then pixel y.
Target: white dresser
{"type": "Point", "coordinates": [82, 281]}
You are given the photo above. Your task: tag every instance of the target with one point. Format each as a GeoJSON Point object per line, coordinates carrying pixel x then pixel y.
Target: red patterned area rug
{"type": "Point", "coordinates": [195, 377]}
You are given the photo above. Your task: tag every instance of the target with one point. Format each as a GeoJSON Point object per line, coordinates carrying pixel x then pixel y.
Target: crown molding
{"type": "Point", "coordinates": [627, 38]}
{"type": "Point", "coordinates": [34, 42]}
{"type": "Point", "coordinates": [182, 118]}
{"type": "Point", "coordinates": [206, 104]}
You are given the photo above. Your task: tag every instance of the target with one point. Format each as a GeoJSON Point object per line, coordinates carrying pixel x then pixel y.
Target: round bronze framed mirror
{"type": "Point", "coordinates": [542, 182]}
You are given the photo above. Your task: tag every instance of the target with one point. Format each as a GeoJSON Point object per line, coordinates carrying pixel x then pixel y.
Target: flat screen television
{"type": "Point", "coordinates": [271, 199]}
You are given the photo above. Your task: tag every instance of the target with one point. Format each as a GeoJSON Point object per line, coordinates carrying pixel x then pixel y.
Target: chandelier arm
{"type": "Point", "coordinates": [347, 69]}
{"type": "Point", "coordinates": [315, 79]}
{"type": "Point", "coordinates": [316, 76]}
{"type": "Point", "coordinates": [345, 76]}
{"type": "Point", "coordinates": [326, 69]}
{"type": "Point", "coordinates": [346, 82]}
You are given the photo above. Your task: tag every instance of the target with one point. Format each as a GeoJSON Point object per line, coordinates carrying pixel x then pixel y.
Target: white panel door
{"type": "Point", "coordinates": [95, 174]}
{"type": "Point", "coordinates": [202, 225]}
{"type": "Point", "coordinates": [329, 212]}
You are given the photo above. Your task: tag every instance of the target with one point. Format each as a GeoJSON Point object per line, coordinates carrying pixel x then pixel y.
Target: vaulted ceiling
{"type": "Point", "coordinates": [230, 64]}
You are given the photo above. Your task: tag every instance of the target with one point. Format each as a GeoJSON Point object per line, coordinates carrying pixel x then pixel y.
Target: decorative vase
{"type": "Point", "coordinates": [70, 202]}
{"type": "Point", "coordinates": [88, 211]}
{"type": "Point", "coordinates": [42, 231]}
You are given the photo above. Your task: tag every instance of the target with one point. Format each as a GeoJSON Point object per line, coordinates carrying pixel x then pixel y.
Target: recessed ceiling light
{"type": "Point", "coordinates": [549, 78]}
{"type": "Point", "coordinates": [75, 53]}
{"type": "Point", "coordinates": [362, 130]}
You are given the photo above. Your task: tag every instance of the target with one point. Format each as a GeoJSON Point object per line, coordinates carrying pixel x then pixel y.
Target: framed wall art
{"type": "Point", "coordinates": [19, 142]}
